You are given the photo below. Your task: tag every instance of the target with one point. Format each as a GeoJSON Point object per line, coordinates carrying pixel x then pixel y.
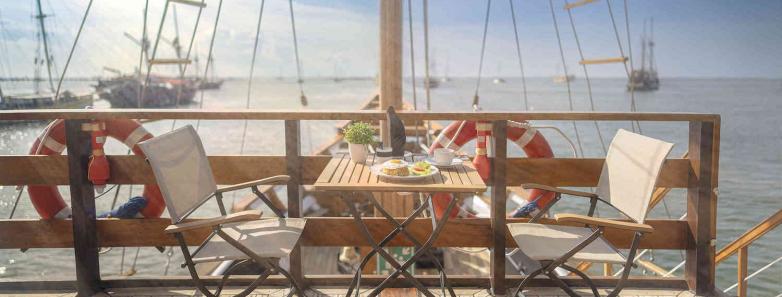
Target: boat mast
{"type": "Point", "coordinates": [390, 60]}
{"type": "Point", "coordinates": [643, 49]}
{"type": "Point", "coordinates": [652, 65]}
{"type": "Point", "coordinates": [45, 40]}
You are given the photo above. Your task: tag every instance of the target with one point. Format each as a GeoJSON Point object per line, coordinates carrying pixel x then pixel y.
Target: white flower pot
{"type": "Point", "coordinates": [358, 152]}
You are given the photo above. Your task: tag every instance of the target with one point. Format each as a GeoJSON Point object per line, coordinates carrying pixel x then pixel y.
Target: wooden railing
{"type": "Point", "coordinates": [697, 173]}
{"type": "Point", "coordinates": [741, 246]}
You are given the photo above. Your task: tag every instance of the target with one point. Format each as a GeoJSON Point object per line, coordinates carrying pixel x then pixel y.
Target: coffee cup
{"type": "Point", "coordinates": [444, 156]}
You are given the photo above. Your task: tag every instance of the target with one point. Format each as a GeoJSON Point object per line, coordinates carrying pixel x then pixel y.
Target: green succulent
{"type": "Point", "coordinates": [359, 133]}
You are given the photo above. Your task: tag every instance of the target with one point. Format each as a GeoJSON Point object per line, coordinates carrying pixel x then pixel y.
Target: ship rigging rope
{"type": "Point", "coordinates": [209, 57]}
{"type": "Point", "coordinates": [475, 98]}
{"type": "Point", "coordinates": [427, 87]}
{"type": "Point", "coordinates": [518, 54]}
{"type": "Point", "coordinates": [183, 68]}
{"type": "Point", "coordinates": [143, 53]}
{"type": "Point", "coordinates": [628, 70]}
{"type": "Point", "coordinates": [586, 77]}
{"type": "Point", "coordinates": [73, 48]}
{"type": "Point", "coordinates": [564, 68]}
{"type": "Point", "coordinates": [252, 71]}
{"type": "Point", "coordinates": [296, 52]}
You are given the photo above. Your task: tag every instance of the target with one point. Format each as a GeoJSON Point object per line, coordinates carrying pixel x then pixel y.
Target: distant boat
{"type": "Point", "coordinates": [561, 79]}
{"type": "Point", "coordinates": [210, 82]}
{"type": "Point", "coordinates": [645, 79]}
{"type": "Point", "coordinates": [39, 98]}
{"type": "Point", "coordinates": [498, 81]}
{"type": "Point", "coordinates": [123, 91]}
{"type": "Point", "coordinates": [431, 83]}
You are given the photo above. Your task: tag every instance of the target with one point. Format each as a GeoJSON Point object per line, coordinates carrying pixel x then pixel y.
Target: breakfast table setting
{"type": "Point", "coordinates": [358, 175]}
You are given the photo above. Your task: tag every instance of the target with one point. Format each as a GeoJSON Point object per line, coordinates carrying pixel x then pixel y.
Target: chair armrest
{"type": "Point", "coordinates": [265, 181]}
{"type": "Point", "coordinates": [559, 190]}
{"type": "Point", "coordinates": [592, 221]}
{"type": "Point", "coordinates": [247, 215]}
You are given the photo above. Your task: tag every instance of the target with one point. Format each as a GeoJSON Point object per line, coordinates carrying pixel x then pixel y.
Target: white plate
{"type": "Point", "coordinates": [378, 170]}
{"type": "Point", "coordinates": [455, 162]}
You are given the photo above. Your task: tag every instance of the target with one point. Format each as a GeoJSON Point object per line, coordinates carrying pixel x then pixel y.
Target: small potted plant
{"type": "Point", "coordinates": [359, 135]}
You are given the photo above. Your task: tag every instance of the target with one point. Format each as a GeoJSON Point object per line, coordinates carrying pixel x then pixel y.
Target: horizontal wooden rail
{"type": "Point", "coordinates": [243, 114]}
{"type": "Point", "coordinates": [331, 281]}
{"type": "Point", "coordinates": [749, 237]}
{"type": "Point", "coordinates": [668, 234]}
{"type": "Point", "coordinates": [53, 170]}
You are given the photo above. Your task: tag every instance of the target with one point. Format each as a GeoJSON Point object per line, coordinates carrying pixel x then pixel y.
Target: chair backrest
{"type": "Point", "coordinates": [630, 172]}
{"type": "Point", "coordinates": [181, 169]}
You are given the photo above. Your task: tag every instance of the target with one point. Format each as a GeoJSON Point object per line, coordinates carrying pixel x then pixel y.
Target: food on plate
{"type": "Point", "coordinates": [421, 168]}
{"type": "Point", "coordinates": [396, 168]}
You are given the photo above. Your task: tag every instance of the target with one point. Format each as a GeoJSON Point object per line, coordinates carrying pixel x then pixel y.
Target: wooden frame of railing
{"type": "Point", "coordinates": [741, 246]}
{"type": "Point", "coordinates": [698, 173]}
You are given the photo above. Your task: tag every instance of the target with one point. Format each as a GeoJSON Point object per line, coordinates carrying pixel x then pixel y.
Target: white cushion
{"type": "Point", "coordinates": [269, 238]}
{"type": "Point", "coordinates": [549, 242]}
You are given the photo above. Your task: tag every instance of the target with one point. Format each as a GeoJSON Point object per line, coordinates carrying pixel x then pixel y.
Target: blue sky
{"type": "Point", "coordinates": [717, 38]}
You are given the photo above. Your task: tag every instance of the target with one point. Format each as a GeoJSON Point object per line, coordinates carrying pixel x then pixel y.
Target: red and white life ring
{"type": "Point", "coordinates": [47, 199]}
{"type": "Point", "coordinates": [455, 135]}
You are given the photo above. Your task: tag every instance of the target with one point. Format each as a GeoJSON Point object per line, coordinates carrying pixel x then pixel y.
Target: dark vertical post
{"type": "Point", "coordinates": [293, 160]}
{"type": "Point", "coordinates": [701, 207]}
{"type": "Point", "coordinates": [498, 197]}
{"type": "Point", "coordinates": [85, 237]}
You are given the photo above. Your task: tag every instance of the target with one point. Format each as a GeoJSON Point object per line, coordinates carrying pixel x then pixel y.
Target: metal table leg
{"type": "Point", "coordinates": [444, 278]}
{"type": "Point", "coordinates": [378, 248]}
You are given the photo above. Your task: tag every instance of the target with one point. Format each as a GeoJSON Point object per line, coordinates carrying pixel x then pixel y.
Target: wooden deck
{"type": "Point", "coordinates": [334, 291]}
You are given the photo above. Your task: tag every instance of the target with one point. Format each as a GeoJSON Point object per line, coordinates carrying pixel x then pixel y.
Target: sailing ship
{"type": "Point", "coordinates": [645, 79]}
{"type": "Point", "coordinates": [561, 79]}
{"type": "Point", "coordinates": [210, 82]}
{"type": "Point", "coordinates": [44, 98]}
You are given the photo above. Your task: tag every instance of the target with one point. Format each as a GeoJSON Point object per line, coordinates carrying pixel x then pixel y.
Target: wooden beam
{"type": "Point", "coordinates": [294, 170]}
{"type": "Point", "coordinates": [741, 272]}
{"type": "Point", "coordinates": [358, 115]}
{"type": "Point", "coordinates": [578, 3]}
{"type": "Point", "coordinates": [341, 231]}
{"type": "Point", "coordinates": [565, 172]}
{"type": "Point", "coordinates": [390, 60]}
{"type": "Point", "coordinates": [749, 237]}
{"type": "Point", "coordinates": [182, 281]}
{"type": "Point", "coordinates": [603, 61]}
{"type": "Point", "coordinates": [83, 209]}
{"type": "Point", "coordinates": [701, 209]}
{"type": "Point", "coordinates": [499, 196]}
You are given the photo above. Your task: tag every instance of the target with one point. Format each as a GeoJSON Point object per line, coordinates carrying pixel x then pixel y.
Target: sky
{"type": "Point", "coordinates": [714, 38]}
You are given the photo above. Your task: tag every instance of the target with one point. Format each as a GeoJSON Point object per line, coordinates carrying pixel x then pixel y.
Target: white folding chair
{"type": "Point", "coordinates": [626, 183]}
{"type": "Point", "coordinates": [185, 178]}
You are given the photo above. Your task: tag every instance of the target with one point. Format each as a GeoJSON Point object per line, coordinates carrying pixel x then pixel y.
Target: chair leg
{"type": "Point", "coordinates": [553, 276]}
{"type": "Point", "coordinates": [584, 277]}
{"type": "Point", "coordinates": [628, 265]}
{"type": "Point", "coordinates": [199, 284]}
{"type": "Point", "coordinates": [295, 286]}
{"type": "Point", "coordinates": [526, 280]}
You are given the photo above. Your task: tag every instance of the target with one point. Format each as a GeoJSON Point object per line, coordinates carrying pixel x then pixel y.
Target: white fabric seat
{"type": "Point", "coordinates": [269, 238]}
{"type": "Point", "coordinates": [548, 242]}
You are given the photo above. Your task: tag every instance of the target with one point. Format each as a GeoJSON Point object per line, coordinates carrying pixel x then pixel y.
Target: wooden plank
{"type": "Point", "coordinates": [294, 170]}
{"type": "Point", "coordinates": [741, 272]}
{"type": "Point", "coordinates": [499, 196]}
{"type": "Point", "coordinates": [328, 172]}
{"type": "Point", "coordinates": [603, 61]}
{"type": "Point", "coordinates": [190, 2]}
{"type": "Point", "coordinates": [342, 231]}
{"type": "Point", "coordinates": [578, 3]}
{"type": "Point", "coordinates": [573, 172]}
{"type": "Point", "coordinates": [750, 236]}
{"type": "Point", "coordinates": [701, 208]}
{"type": "Point", "coordinates": [565, 172]}
{"type": "Point", "coordinates": [83, 209]}
{"type": "Point", "coordinates": [345, 176]}
{"type": "Point", "coordinates": [243, 114]}
{"type": "Point", "coordinates": [183, 281]}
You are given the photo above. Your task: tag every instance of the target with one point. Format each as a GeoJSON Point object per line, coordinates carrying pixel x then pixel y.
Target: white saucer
{"type": "Point", "coordinates": [454, 162]}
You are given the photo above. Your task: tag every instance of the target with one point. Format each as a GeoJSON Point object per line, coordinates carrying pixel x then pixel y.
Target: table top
{"type": "Point", "coordinates": [342, 174]}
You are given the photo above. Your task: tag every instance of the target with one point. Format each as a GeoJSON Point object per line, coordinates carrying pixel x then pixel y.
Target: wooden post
{"type": "Point", "coordinates": [85, 237]}
{"type": "Point", "coordinates": [701, 207]}
{"type": "Point", "coordinates": [498, 197]}
{"type": "Point", "coordinates": [390, 59]}
{"type": "Point", "coordinates": [742, 272]}
{"type": "Point", "coordinates": [293, 168]}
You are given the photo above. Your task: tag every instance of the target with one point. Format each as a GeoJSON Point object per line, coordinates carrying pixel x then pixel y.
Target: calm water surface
{"type": "Point", "coordinates": [750, 159]}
